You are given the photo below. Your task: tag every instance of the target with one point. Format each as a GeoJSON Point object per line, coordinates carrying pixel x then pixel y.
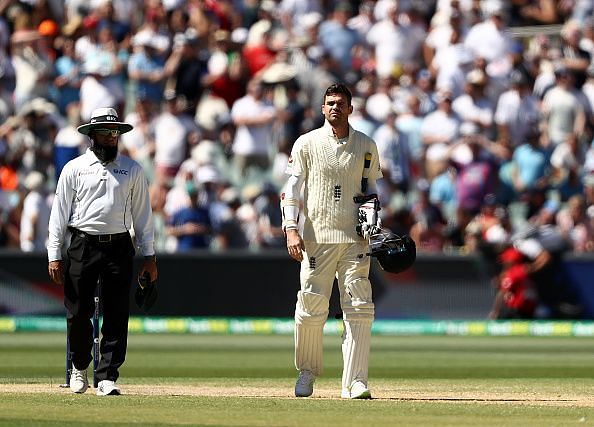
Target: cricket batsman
{"type": "Point", "coordinates": [334, 165]}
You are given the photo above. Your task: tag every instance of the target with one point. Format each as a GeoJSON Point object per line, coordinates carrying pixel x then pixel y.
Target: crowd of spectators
{"type": "Point", "coordinates": [480, 128]}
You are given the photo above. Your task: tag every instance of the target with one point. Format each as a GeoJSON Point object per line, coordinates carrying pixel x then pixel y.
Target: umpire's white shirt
{"type": "Point", "coordinates": [101, 199]}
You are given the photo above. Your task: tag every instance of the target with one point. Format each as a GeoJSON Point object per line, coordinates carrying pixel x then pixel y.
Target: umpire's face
{"type": "Point", "coordinates": [336, 109]}
{"type": "Point", "coordinates": [105, 142]}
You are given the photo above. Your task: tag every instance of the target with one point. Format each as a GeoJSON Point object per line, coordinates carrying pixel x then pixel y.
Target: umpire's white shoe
{"type": "Point", "coordinates": [358, 390]}
{"type": "Point", "coordinates": [78, 381]}
{"type": "Point", "coordinates": [107, 388]}
{"type": "Point", "coordinates": [304, 384]}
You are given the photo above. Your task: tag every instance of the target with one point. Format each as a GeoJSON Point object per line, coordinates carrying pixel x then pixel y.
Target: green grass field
{"type": "Point", "coordinates": [206, 380]}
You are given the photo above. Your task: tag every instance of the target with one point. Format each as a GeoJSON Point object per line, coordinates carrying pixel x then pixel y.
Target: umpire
{"type": "Point", "coordinates": [100, 196]}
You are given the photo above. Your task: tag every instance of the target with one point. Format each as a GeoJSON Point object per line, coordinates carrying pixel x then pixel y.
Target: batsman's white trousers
{"type": "Point", "coordinates": [321, 264]}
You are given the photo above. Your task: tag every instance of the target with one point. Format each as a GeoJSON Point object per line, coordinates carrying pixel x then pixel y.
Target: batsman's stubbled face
{"type": "Point", "coordinates": [336, 109]}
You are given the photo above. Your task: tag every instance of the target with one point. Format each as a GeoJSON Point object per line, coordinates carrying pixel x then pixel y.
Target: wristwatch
{"type": "Point", "coordinates": [151, 258]}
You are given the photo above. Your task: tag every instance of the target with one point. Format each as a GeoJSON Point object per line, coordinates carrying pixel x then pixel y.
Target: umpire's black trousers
{"type": "Point", "coordinates": [109, 259]}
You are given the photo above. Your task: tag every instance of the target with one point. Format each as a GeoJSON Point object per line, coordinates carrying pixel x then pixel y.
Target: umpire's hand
{"type": "Point", "coordinates": [295, 245]}
{"type": "Point", "coordinates": [56, 271]}
{"type": "Point", "coordinates": [149, 266]}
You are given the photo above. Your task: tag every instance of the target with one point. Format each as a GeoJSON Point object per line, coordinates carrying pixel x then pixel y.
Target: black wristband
{"type": "Point", "coordinates": [150, 258]}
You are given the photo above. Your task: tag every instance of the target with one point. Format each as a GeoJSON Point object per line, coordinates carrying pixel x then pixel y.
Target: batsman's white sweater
{"type": "Point", "coordinates": [332, 173]}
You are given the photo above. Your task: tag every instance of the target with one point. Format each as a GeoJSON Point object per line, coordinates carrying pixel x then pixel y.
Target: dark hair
{"type": "Point", "coordinates": [337, 88]}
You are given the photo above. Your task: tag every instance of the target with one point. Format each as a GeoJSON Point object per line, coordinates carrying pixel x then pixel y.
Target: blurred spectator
{"type": "Point", "coordinates": [247, 214]}
{"type": "Point", "coordinates": [417, 83]}
{"type": "Point", "coordinates": [9, 161]}
{"type": "Point", "coordinates": [474, 106]}
{"type": "Point", "coordinates": [31, 144]}
{"type": "Point", "coordinates": [11, 212]}
{"type": "Point", "coordinates": [229, 233]}
{"type": "Point", "coordinates": [205, 166]}
{"type": "Point", "coordinates": [175, 135]}
{"type": "Point", "coordinates": [566, 161]}
{"type": "Point", "coordinates": [516, 109]}
{"type": "Point", "coordinates": [257, 51]}
{"type": "Point", "coordinates": [226, 69]}
{"type": "Point", "coordinates": [139, 143]}
{"type": "Point", "coordinates": [8, 80]}
{"type": "Point", "coordinates": [439, 129]}
{"type": "Point", "coordinates": [253, 116]}
{"type": "Point", "coordinates": [544, 246]}
{"type": "Point", "coordinates": [107, 20]}
{"type": "Point", "coordinates": [379, 101]}
{"type": "Point", "coordinates": [575, 224]}
{"type": "Point", "coordinates": [416, 28]}
{"type": "Point", "coordinates": [528, 168]}
{"type": "Point", "coordinates": [270, 232]}
{"type": "Point", "coordinates": [69, 143]}
{"type": "Point", "coordinates": [312, 83]}
{"type": "Point", "coordinates": [186, 69]}
{"type": "Point", "coordinates": [389, 39]}
{"type": "Point", "coordinates": [32, 69]}
{"type": "Point", "coordinates": [455, 231]}
{"type": "Point", "coordinates": [117, 57]}
{"type": "Point", "coordinates": [451, 64]}
{"type": "Point", "coordinates": [395, 158]}
{"type": "Point", "coordinates": [520, 62]}
{"type": "Point", "coordinates": [158, 190]}
{"type": "Point", "coordinates": [360, 119]}
{"type": "Point", "coordinates": [588, 182]}
{"type": "Point", "coordinates": [96, 86]}
{"type": "Point", "coordinates": [575, 59]}
{"type": "Point", "coordinates": [427, 230]}
{"type": "Point", "coordinates": [588, 87]}
{"type": "Point", "coordinates": [539, 12]}
{"type": "Point", "coordinates": [409, 123]}
{"type": "Point", "coordinates": [35, 215]}
{"type": "Point", "coordinates": [490, 39]}
{"type": "Point", "coordinates": [223, 11]}
{"type": "Point", "coordinates": [87, 41]}
{"type": "Point", "coordinates": [293, 12]}
{"type": "Point", "coordinates": [68, 75]}
{"type": "Point", "coordinates": [489, 229]}
{"type": "Point", "coordinates": [562, 111]}
{"type": "Point", "coordinates": [291, 115]}
{"type": "Point", "coordinates": [364, 20]}
{"type": "Point", "coordinates": [516, 296]}
{"type": "Point", "coordinates": [583, 11]}
{"type": "Point", "coordinates": [48, 32]}
{"type": "Point", "coordinates": [336, 36]}
{"type": "Point", "coordinates": [442, 192]}
{"type": "Point", "coordinates": [477, 161]}
{"type": "Point", "coordinates": [213, 117]}
{"type": "Point", "coordinates": [146, 66]}
{"type": "Point", "coordinates": [191, 225]}
{"type": "Point", "coordinates": [442, 26]}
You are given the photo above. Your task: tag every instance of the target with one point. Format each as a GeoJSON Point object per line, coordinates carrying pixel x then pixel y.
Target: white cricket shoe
{"type": "Point", "coordinates": [107, 388]}
{"type": "Point", "coordinates": [304, 384]}
{"type": "Point", "coordinates": [78, 380]}
{"type": "Point", "coordinates": [357, 391]}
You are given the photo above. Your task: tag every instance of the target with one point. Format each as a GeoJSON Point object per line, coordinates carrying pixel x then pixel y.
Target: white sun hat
{"type": "Point", "coordinates": [104, 116]}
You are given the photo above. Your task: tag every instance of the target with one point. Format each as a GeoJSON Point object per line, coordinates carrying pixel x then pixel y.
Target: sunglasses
{"type": "Point", "coordinates": [105, 132]}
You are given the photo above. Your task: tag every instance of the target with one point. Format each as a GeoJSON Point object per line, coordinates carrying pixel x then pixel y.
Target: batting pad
{"type": "Point", "coordinates": [356, 342]}
{"type": "Point", "coordinates": [311, 312]}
